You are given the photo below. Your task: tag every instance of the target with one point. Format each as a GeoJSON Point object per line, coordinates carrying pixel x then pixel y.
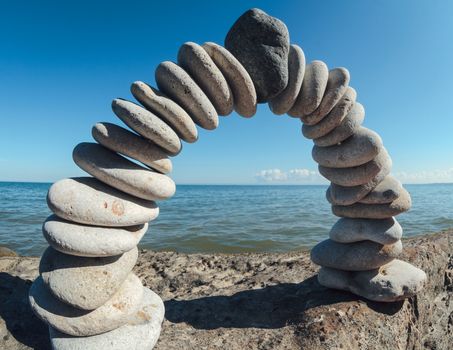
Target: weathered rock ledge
{"type": "Point", "coordinates": [262, 301]}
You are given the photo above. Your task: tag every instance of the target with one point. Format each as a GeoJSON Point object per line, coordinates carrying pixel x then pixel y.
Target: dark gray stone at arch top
{"type": "Point", "coordinates": [261, 43]}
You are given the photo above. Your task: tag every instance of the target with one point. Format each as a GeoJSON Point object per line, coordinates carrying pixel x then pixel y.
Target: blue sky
{"type": "Point", "coordinates": [62, 62]}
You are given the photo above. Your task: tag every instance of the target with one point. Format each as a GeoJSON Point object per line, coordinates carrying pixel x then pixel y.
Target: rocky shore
{"type": "Point", "coordinates": [261, 301]}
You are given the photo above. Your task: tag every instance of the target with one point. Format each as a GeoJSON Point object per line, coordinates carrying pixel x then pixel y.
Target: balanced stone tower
{"type": "Point", "coordinates": [87, 292]}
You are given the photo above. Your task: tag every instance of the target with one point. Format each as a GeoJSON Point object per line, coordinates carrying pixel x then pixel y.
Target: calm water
{"type": "Point", "coordinates": [224, 218]}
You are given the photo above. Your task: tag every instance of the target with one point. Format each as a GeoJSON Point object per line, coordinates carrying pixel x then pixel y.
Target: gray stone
{"type": "Point", "coordinates": [383, 231]}
{"type": "Point", "coordinates": [80, 323]}
{"type": "Point", "coordinates": [90, 241]}
{"type": "Point", "coordinates": [197, 62]}
{"type": "Point", "coordinates": [358, 256]}
{"type": "Point", "coordinates": [386, 192]}
{"type": "Point", "coordinates": [334, 118]}
{"type": "Point", "coordinates": [239, 81]}
{"type": "Point", "coordinates": [147, 124]}
{"type": "Point", "coordinates": [394, 281]}
{"type": "Point", "coordinates": [337, 84]}
{"type": "Point", "coordinates": [177, 84]}
{"type": "Point", "coordinates": [261, 43]}
{"type": "Point", "coordinates": [284, 101]}
{"type": "Point", "coordinates": [375, 211]}
{"type": "Point", "coordinates": [362, 147]}
{"type": "Point", "coordinates": [123, 141]}
{"type": "Point", "coordinates": [141, 335]}
{"type": "Point", "coordinates": [312, 91]}
{"type": "Point", "coordinates": [359, 175]}
{"type": "Point", "coordinates": [85, 283]}
{"type": "Point", "coordinates": [122, 174]}
{"type": "Point", "coordinates": [88, 201]}
{"type": "Point", "coordinates": [166, 109]}
{"type": "Point", "coordinates": [348, 126]}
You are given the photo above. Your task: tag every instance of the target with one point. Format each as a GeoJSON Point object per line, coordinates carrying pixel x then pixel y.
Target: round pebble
{"type": "Point", "coordinates": [244, 94]}
{"type": "Point", "coordinates": [148, 125]}
{"type": "Point", "coordinates": [197, 62]}
{"type": "Point", "coordinates": [386, 192]}
{"type": "Point", "coordinates": [122, 174]}
{"type": "Point", "coordinates": [81, 323]}
{"type": "Point", "coordinates": [382, 231]}
{"type": "Point", "coordinates": [362, 147]}
{"type": "Point", "coordinates": [337, 84]}
{"type": "Point", "coordinates": [166, 109]}
{"type": "Point", "coordinates": [88, 201]}
{"type": "Point", "coordinates": [123, 141]}
{"type": "Point", "coordinates": [284, 101]}
{"type": "Point", "coordinates": [177, 84]}
{"type": "Point", "coordinates": [85, 283]}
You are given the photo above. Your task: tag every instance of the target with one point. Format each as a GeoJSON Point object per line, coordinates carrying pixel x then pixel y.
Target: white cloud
{"type": "Point", "coordinates": [299, 176]}
{"type": "Point", "coordinates": [426, 176]}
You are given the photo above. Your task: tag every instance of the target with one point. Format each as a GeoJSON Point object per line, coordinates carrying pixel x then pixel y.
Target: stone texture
{"type": "Point", "coordinates": [177, 84]}
{"type": "Point", "coordinates": [337, 83]}
{"type": "Point", "coordinates": [147, 124]}
{"type": "Point", "coordinates": [334, 118]}
{"type": "Point", "coordinates": [121, 173]}
{"type": "Point", "coordinates": [312, 91]}
{"type": "Point", "coordinates": [284, 101]}
{"type": "Point", "coordinates": [348, 127]}
{"type": "Point", "coordinates": [358, 256]}
{"type": "Point", "coordinates": [382, 231]}
{"type": "Point", "coordinates": [88, 201]}
{"type": "Point", "coordinates": [113, 314]}
{"type": "Point", "coordinates": [85, 283]}
{"type": "Point", "coordinates": [359, 175]}
{"type": "Point", "coordinates": [166, 109]}
{"type": "Point", "coordinates": [261, 43]}
{"type": "Point", "coordinates": [90, 241]}
{"type": "Point", "coordinates": [277, 301]}
{"type": "Point", "coordinates": [385, 192]}
{"type": "Point", "coordinates": [123, 141]}
{"type": "Point", "coordinates": [142, 335]}
{"type": "Point", "coordinates": [5, 251]}
{"type": "Point", "coordinates": [362, 147]}
{"type": "Point", "coordinates": [394, 281]}
{"type": "Point", "coordinates": [239, 81]}
{"type": "Point", "coordinates": [197, 62]}
{"type": "Point", "coordinates": [375, 211]}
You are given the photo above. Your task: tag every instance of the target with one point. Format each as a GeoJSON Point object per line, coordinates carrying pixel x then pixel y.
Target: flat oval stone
{"type": "Point", "coordinates": [312, 91]}
{"type": "Point", "coordinates": [382, 231]}
{"type": "Point", "coordinates": [362, 147]}
{"type": "Point", "coordinates": [358, 256]}
{"type": "Point", "coordinates": [166, 109]}
{"type": "Point", "coordinates": [348, 127]}
{"type": "Point", "coordinates": [284, 101]}
{"type": "Point", "coordinates": [334, 118]}
{"type": "Point", "coordinates": [90, 241]}
{"type": "Point", "coordinates": [85, 283]}
{"type": "Point", "coordinates": [81, 323]}
{"type": "Point", "coordinates": [123, 141]}
{"type": "Point", "coordinates": [140, 335]}
{"type": "Point", "coordinates": [177, 84]}
{"type": "Point", "coordinates": [122, 174]}
{"type": "Point", "coordinates": [197, 62]}
{"type": "Point", "coordinates": [337, 83]}
{"type": "Point", "coordinates": [239, 81]}
{"type": "Point", "coordinates": [375, 211]}
{"type": "Point", "coordinates": [397, 280]}
{"type": "Point", "coordinates": [386, 192]}
{"type": "Point", "coordinates": [88, 201]}
{"type": "Point", "coordinates": [147, 124]}
{"type": "Point", "coordinates": [361, 174]}
{"type": "Point", "coordinates": [261, 43]}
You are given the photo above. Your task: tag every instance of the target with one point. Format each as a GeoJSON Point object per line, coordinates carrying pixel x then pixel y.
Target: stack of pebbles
{"type": "Point", "coordinates": [87, 292]}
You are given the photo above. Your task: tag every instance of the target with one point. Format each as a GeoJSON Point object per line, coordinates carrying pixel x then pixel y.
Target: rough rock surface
{"type": "Point", "coordinates": [262, 301]}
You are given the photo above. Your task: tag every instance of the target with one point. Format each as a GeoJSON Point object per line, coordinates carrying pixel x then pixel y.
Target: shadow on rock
{"type": "Point", "coordinates": [16, 312]}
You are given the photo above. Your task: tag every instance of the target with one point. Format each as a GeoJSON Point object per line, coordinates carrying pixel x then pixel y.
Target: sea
{"type": "Point", "coordinates": [224, 218]}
